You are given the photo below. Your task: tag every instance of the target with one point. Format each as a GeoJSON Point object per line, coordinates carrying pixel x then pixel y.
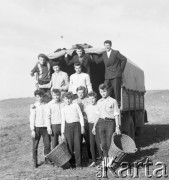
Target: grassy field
{"type": "Point", "coordinates": [16, 144]}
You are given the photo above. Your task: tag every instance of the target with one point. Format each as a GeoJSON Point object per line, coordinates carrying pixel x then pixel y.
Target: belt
{"type": "Point", "coordinates": [107, 119]}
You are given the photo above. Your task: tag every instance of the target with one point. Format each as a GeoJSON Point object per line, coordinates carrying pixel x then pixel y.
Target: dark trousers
{"type": "Point", "coordinates": [56, 131]}
{"type": "Point", "coordinates": [98, 142]}
{"type": "Point", "coordinates": [114, 88]}
{"type": "Point", "coordinates": [106, 130]}
{"type": "Point", "coordinates": [41, 131]}
{"type": "Point", "coordinates": [93, 142]}
{"type": "Point", "coordinates": [73, 138]}
{"type": "Point", "coordinates": [86, 138]}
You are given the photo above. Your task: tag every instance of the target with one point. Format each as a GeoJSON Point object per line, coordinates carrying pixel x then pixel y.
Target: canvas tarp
{"type": "Point", "coordinates": [133, 76]}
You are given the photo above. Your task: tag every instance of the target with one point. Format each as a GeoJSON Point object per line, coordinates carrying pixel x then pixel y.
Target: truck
{"type": "Point", "coordinates": [133, 115]}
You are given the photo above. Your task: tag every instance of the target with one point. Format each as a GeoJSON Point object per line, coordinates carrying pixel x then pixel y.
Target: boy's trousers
{"type": "Point", "coordinates": [41, 131]}
{"type": "Point", "coordinates": [86, 138]}
{"type": "Point", "coordinates": [94, 141]}
{"type": "Point", "coordinates": [56, 131]}
{"type": "Point", "coordinates": [106, 129]}
{"type": "Point", "coordinates": [73, 138]}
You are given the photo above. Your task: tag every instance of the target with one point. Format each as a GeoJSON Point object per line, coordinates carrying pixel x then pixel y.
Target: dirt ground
{"type": "Point", "coordinates": [16, 144]}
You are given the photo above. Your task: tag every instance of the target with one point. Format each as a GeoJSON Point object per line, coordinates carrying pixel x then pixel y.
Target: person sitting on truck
{"type": "Point", "coordinates": [79, 79]}
{"type": "Point", "coordinates": [59, 80]}
{"type": "Point", "coordinates": [114, 67]}
{"type": "Point", "coordinates": [42, 71]}
{"type": "Point", "coordinates": [82, 58]}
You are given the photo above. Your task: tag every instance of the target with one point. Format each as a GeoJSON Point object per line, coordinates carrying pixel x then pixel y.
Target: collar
{"type": "Point", "coordinates": [53, 102]}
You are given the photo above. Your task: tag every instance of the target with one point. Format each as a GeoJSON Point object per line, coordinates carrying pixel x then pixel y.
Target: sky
{"type": "Point", "coordinates": [138, 29]}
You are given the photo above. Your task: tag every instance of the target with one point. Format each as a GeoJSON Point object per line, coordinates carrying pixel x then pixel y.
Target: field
{"type": "Point", "coordinates": [16, 144]}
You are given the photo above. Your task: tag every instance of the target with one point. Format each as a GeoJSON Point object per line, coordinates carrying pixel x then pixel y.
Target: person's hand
{"type": "Point", "coordinates": [82, 130]}
{"type": "Point", "coordinates": [118, 131]}
{"type": "Point", "coordinates": [94, 130]}
{"type": "Point", "coordinates": [33, 134]}
{"type": "Point", "coordinates": [62, 83]}
{"type": "Point", "coordinates": [49, 131]}
{"type": "Point", "coordinates": [32, 106]}
{"type": "Point", "coordinates": [63, 137]}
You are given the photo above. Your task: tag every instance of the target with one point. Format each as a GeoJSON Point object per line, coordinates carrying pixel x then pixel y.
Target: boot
{"type": "Point", "coordinates": [35, 163]}
{"type": "Point", "coordinates": [104, 168]}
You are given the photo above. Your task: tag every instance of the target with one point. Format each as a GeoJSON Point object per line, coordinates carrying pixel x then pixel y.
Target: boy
{"type": "Point", "coordinates": [83, 101]}
{"type": "Point", "coordinates": [108, 122]}
{"type": "Point", "coordinates": [39, 126]}
{"type": "Point", "coordinates": [59, 80]}
{"type": "Point", "coordinates": [79, 79]}
{"type": "Point", "coordinates": [72, 126]}
{"type": "Point", "coordinates": [54, 117]}
{"type": "Point", "coordinates": [42, 71]}
{"type": "Point", "coordinates": [92, 117]}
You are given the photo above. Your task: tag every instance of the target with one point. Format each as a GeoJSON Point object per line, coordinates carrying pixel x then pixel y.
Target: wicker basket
{"type": "Point", "coordinates": [60, 154]}
{"type": "Point", "coordinates": [121, 145]}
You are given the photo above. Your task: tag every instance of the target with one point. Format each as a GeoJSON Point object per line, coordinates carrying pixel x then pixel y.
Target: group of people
{"type": "Point", "coordinates": [74, 112]}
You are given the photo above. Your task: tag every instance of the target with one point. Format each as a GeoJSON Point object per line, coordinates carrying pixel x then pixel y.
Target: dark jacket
{"type": "Point", "coordinates": [114, 65]}
{"type": "Point", "coordinates": [86, 60]}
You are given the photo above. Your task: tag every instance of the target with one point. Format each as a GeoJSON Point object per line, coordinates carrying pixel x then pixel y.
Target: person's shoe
{"type": "Point", "coordinates": [47, 161]}
{"type": "Point", "coordinates": [93, 164]}
{"type": "Point", "coordinates": [35, 165]}
{"type": "Point", "coordinates": [99, 158]}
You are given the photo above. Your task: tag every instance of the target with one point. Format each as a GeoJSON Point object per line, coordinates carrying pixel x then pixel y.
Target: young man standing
{"type": "Point", "coordinates": [83, 101]}
{"type": "Point", "coordinates": [72, 127]}
{"type": "Point", "coordinates": [39, 126]}
{"type": "Point", "coordinates": [54, 117]}
{"type": "Point", "coordinates": [79, 79]}
{"type": "Point", "coordinates": [82, 58]}
{"type": "Point", "coordinates": [108, 122]}
{"type": "Point", "coordinates": [114, 67]}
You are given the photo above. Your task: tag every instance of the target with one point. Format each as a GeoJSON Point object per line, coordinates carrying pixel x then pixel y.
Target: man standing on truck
{"type": "Point", "coordinates": [82, 58]}
{"type": "Point", "coordinates": [114, 66]}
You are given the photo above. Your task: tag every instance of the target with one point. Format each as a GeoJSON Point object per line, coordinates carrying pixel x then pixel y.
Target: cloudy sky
{"type": "Point", "coordinates": [138, 29]}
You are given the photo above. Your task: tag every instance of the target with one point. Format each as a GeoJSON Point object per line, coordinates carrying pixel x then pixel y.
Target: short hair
{"type": "Point", "coordinates": [56, 91]}
{"type": "Point", "coordinates": [38, 92]}
{"type": "Point", "coordinates": [103, 86]}
{"type": "Point", "coordinates": [55, 64]}
{"type": "Point", "coordinates": [77, 64]}
{"type": "Point", "coordinates": [68, 95]}
{"type": "Point", "coordinates": [43, 56]}
{"type": "Point", "coordinates": [92, 94]}
{"type": "Point", "coordinates": [80, 48]}
{"type": "Point", "coordinates": [108, 42]}
{"type": "Point", "coordinates": [81, 88]}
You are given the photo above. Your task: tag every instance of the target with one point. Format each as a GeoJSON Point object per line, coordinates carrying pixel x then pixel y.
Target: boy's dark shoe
{"type": "Point", "coordinates": [35, 165]}
{"type": "Point", "coordinates": [47, 161]}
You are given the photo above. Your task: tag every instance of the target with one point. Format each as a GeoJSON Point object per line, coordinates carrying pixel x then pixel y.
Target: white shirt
{"type": "Point", "coordinates": [60, 80]}
{"type": "Point", "coordinates": [54, 112]}
{"type": "Point", "coordinates": [71, 113]}
{"type": "Point", "coordinates": [108, 107]}
{"type": "Point", "coordinates": [92, 113]}
{"type": "Point", "coordinates": [77, 80]}
{"type": "Point", "coordinates": [108, 53]}
{"type": "Point", "coordinates": [38, 117]}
